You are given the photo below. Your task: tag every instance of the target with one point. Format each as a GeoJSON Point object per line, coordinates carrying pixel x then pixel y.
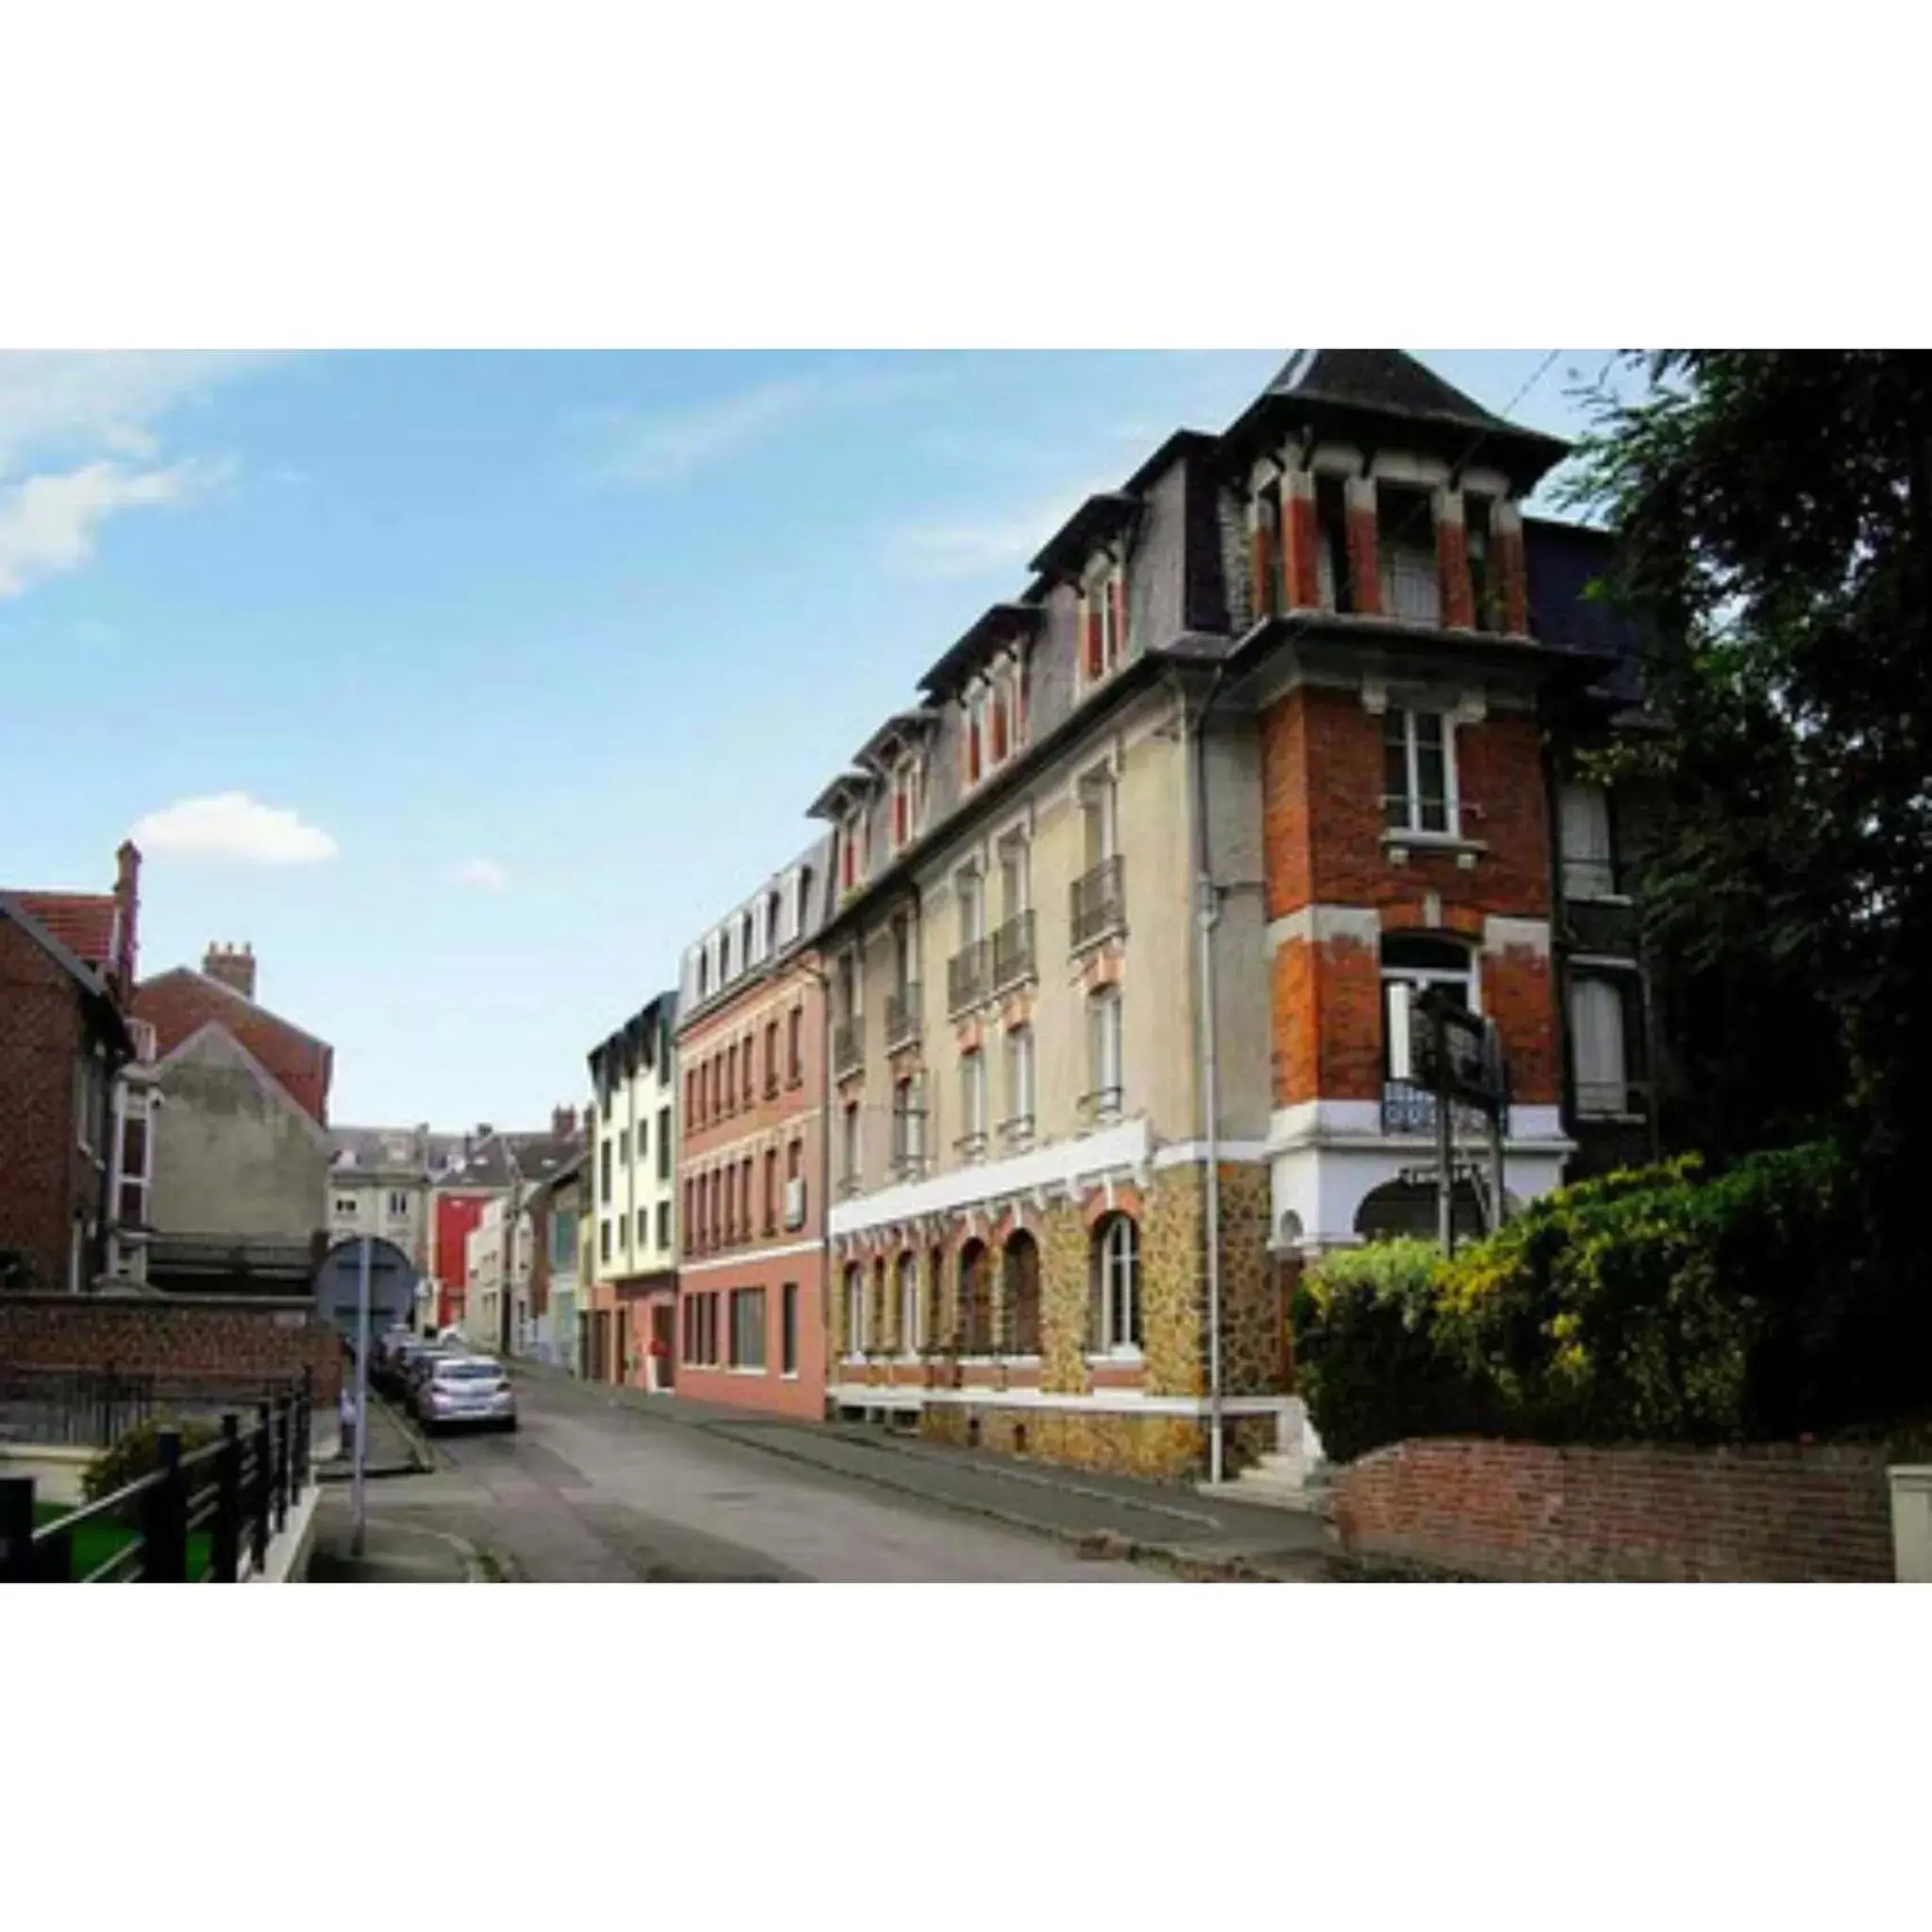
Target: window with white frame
{"type": "Point", "coordinates": [1115, 1261]}
{"type": "Point", "coordinates": [1015, 876]}
{"type": "Point", "coordinates": [1104, 621]}
{"type": "Point", "coordinates": [1104, 1076]}
{"type": "Point", "coordinates": [855, 1310]}
{"type": "Point", "coordinates": [908, 1125]}
{"type": "Point", "coordinates": [398, 1205]}
{"type": "Point", "coordinates": [1099, 816]}
{"type": "Point", "coordinates": [1419, 772]}
{"type": "Point", "coordinates": [908, 801]}
{"type": "Point", "coordinates": [970, 889]}
{"type": "Point", "coordinates": [747, 1328]}
{"type": "Point", "coordinates": [1410, 579]}
{"type": "Point", "coordinates": [1583, 821]}
{"type": "Point", "coordinates": [973, 709]}
{"type": "Point", "coordinates": [346, 1205]}
{"type": "Point", "coordinates": [1410, 964]}
{"type": "Point", "coordinates": [972, 1103]}
{"type": "Point", "coordinates": [910, 1340]}
{"type": "Point", "coordinates": [1598, 1047]}
{"type": "Point", "coordinates": [848, 1145]}
{"type": "Point", "coordinates": [1018, 1121]}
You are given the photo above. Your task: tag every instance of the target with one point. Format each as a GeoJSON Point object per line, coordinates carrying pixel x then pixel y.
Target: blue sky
{"type": "Point", "coordinates": [505, 674]}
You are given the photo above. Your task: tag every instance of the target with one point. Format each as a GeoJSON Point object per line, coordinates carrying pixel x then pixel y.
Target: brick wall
{"type": "Point", "coordinates": [42, 1173]}
{"type": "Point", "coordinates": [200, 1336]}
{"type": "Point", "coordinates": [1518, 1510]}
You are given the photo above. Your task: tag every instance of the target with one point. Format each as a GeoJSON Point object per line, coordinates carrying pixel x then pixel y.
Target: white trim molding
{"type": "Point", "coordinates": [1516, 936]}
{"type": "Point", "coordinates": [1101, 1401]}
{"type": "Point", "coordinates": [1317, 925]}
{"type": "Point", "coordinates": [749, 1258]}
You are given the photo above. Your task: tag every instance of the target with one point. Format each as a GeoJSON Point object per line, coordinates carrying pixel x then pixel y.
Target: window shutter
{"type": "Point", "coordinates": [1596, 1022]}
{"type": "Point", "coordinates": [1092, 612]}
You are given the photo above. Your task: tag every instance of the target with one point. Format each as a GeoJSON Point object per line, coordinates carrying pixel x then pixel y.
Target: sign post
{"type": "Point", "coordinates": [1458, 1056]}
{"type": "Point", "coordinates": [361, 1429]}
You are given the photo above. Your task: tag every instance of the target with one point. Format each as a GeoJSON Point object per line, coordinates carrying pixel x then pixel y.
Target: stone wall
{"type": "Point", "coordinates": [1522, 1511]}
{"type": "Point", "coordinates": [206, 1336]}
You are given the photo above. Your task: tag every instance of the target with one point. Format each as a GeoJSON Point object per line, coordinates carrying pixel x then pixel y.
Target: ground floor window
{"type": "Point", "coordinates": [909, 1337]}
{"type": "Point", "coordinates": [855, 1310]}
{"type": "Point", "coordinates": [701, 1330]}
{"type": "Point", "coordinates": [747, 1328]}
{"type": "Point", "coordinates": [1116, 1281]}
{"type": "Point", "coordinates": [787, 1328]}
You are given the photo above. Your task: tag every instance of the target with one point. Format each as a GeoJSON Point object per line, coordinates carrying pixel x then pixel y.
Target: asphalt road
{"type": "Point", "coordinates": [591, 1492]}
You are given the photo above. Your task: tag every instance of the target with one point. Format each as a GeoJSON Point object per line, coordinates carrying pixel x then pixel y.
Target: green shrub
{"type": "Point", "coordinates": [138, 1454]}
{"type": "Point", "coordinates": [1656, 1303]}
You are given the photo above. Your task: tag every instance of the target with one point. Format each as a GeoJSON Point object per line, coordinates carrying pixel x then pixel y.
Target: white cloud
{"type": "Point", "coordinates": [47, 523]}
{"type": "Point", "coordinates": [61, 405]}
{"type": "Point", "coordinates": [484, 874]}
{"type": "Point", "coordinates": [231, 825]}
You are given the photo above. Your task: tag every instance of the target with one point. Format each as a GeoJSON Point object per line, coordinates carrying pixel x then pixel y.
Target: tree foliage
{"type": "Point", "coordinates": [1776, 517]}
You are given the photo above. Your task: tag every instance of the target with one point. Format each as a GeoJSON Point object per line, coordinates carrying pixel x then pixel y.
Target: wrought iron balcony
{"type": "Point", "coordinates": [967, 974]}
{"type": "Point", "coordinates": [1012, 952]}
{"type": "Point", "coordinates": [1407, 1109]}
{"type": "Point", "coordinates": [848, 1045]}
{"type": "Point", "coordinates": [902, 1017]}
{"type": "Point", "coordinates": [1099, 904]}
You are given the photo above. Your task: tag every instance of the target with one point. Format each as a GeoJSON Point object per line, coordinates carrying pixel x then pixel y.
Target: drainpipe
{"type": "Point", "coordinates": [1207, 914]}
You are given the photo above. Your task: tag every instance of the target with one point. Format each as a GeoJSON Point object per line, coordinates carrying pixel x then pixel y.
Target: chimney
{"type": "Point", "coordinates": [236, 971]}
{"type": "Point", "coordinates": [126, 916]}
{"type": "Point", "coordinates": [563, 1122]}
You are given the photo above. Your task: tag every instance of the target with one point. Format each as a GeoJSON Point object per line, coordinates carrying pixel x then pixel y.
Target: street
{"type": "Point", "coordinates": [593, 1491]}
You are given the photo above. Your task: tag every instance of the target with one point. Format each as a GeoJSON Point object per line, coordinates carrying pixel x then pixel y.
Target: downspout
{"type": "Point", "coordinates": [1207, 914]}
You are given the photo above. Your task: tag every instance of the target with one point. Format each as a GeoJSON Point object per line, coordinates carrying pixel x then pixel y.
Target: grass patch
{"type": "Point", "coordinates": [92, 1543]}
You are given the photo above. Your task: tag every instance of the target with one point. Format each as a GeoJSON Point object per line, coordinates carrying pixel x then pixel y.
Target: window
{"type": "Point", "coordinates": [693, 1100]}
{"type": "Point", "coordinates": [1020, 1268]}
{"type": "Point", "coordinates": [624, 1147]}
{"type": "Point", "coordinates": [911, 1340]}
{"type": "Point", "coordinates": [771, 1191]}
{"type": "Point", "coordinates": [744, 1065]}
{"type": "Point", "coordinates": [907, 802]}
{"type": "Point", "coordinates": [1598, 1047]}
{"type": "Point", "coordinates": [1103, 1095]}
{"type": "Point", "coordinates": [345, 1204]}
{"type": "Point", "coordinates": [795, 1184]}
{"type": "Point", "coordinates": [398, 1202]}
{"type": "Point", "coordinates": [701, 1330]}
{"type": "Point", "coordinates": [1264, 571]}
{"type": "Point", "coordinates": [788, 1329]}
{"type": "Point", "coordinates": [909, 1127]}
{"type": "Point", "coordinates": [974, 704]}
{"type": "Point", "coordinates": [641, 1150]}
{"type": "Point", "coordinates": [1584, 827]}
{"type": "Point", "coordinates": [1418, 772]}
{"type": "Point", "coordinates": [132, 1200]}
{"type": "Point", "coordinates": [1410, 963]}
{"type": "Point", "coordinates": [603, 1238]}
{"type": "Point", "coordinates": [1015, 877]}
{"type": "Point", "coordinates": [563, 1240]}
{"type": "Point", "coordinates": [731, 1077]}
{"type": "Point", "coordinates": [976, 1298]}
{"type": "Point", "coordinates": [1104, 606]}
{"type": "Point", "coordinates": [771, 919]}
{"type": "Point", "coordinates": [1484, 585]}
{"type": "Point", "coordinates": [623, 1232]}
{"type": "Point", "coordinates": [1334, 567]}
{"type": "Point", "coordinates": [691, 1219]}
{"type": "Point", "coordinates": [770, 1058]}
{"type": "Point", "coordinates": [664, 1223]}
{"type": "Point", "coordinates": [972, 898]}
{"type": "Point", "coordinates": [855, 1310]}
{"type": "Point", "coordinates": [604, 1172]}
{"type": "Point", "coordinates": [663, 1144]}
{"type": "Point", "coordinates": [795, 1045]}
{"type": "Point", "coordinates": [747, 1328]}
{"type": "Point", "coordinates": [745, 1197]}
{"type": "Point", "coordinates": [1408, 573]}
{"type": "Point", "coordinates": [1098, 817]}
{"type": "Point", "coordinates": [972, 1142]}
{"type": "Point", "coordinates": [848, 1145]}
{"type": "Point", "coordinates": [1018, 1121]}
{"type": "Point", "coordinates": [1116, 1264]}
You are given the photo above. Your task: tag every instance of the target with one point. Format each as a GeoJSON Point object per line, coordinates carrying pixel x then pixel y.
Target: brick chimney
{"type": "Point", "coordinates": [127, 917]}
{"type": "Point", "coordinates": [235, 970]}
{"type": "Point", "coordinates": [563, 1122]}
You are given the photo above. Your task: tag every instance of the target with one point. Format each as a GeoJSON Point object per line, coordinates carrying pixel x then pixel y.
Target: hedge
{"type": "Point", "coordinates": [1654, 1305]}
{"type": "Point", "coordinates": [138, 1454]}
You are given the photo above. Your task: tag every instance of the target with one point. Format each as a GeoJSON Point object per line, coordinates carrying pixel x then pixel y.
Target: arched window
{"type": "Point", "coordinates": [911, 1336]}
{"type": "Point", "coordinates": [1019, 1264]}
{"type": "Point", "coordinates": [1116, 1282]}
{"type": "Point", "coordinates": [875, 1314]}
{"type": "Point", "coordinates": [976, 1299]}
{"type": "Point", "coordinates": [855, 1309]}
{"type": "Point", "coordinates": [935, 1296]}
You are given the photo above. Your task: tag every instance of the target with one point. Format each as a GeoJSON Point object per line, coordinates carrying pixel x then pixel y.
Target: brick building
{"type": "Point", "coordinates": [489, 1166]}
{"type": "Point", "coordinates": [751, 1151]}
{"type": "Point", "coordinates": [1132, 904]}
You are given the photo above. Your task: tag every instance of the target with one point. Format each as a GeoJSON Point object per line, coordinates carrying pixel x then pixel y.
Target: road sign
{"type": "Point", "coordinates": [1470, 1063]}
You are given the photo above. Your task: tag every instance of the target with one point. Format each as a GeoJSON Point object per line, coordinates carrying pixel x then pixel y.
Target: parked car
{"type": "Point", "coordinates": [466, 1389]}
{"type": "Point", "coordinates": [393, 1369]}
{"type": "Point", "coordinates": [416, 1372]}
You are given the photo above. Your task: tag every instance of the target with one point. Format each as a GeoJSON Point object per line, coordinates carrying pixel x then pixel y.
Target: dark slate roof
{"type": "Point", "coordinates": [497, 1158]}
{"type": "Point", "coordinates": [371, 1150]}
{"type": "Point", "coordinates": [1100, 517]}
{"type": "Point", "coordinates": [1562, 561]}
{"type": "Point", "coordinates": [993, 627]}
{"type": "Point", "coordinates": [847, 789]}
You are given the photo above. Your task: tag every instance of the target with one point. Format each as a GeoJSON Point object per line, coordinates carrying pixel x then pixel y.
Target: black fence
{"type": "Point", "coordinates": [205, 1515]}
{"type": "Point", "coordinates": [96, 1407]}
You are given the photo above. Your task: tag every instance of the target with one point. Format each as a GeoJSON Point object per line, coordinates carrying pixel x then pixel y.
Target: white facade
{"type": "Point", "coordinates": [633, 1172]}
{"type": "Point", "coordinates": [486, 1281]}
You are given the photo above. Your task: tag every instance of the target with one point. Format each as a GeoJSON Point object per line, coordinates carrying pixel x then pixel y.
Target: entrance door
{"type": "Point", "coordinates": [663, 1340]}
{"type": "Point", "coordinates": [622, 1365]}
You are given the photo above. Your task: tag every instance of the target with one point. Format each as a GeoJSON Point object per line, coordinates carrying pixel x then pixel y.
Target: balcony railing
{"type": "Point", "coordinates": [902, 1016]}
{"type": "Point", "coordinates": [1017, 1133]}
{"type": "Point", "coordinates": [967, 976]}
{"type": "Point", "coordinates": [1102, 1106]}
{"type": "Point", "coordinates": [1099, 904]}
{"type": "Point", "coordinates": [848, 1045]}
{"type": "Point", "coordinates": [1407, 1109]}
{"type": "Point", "coordinates": [1012, 952]}
{"type": "Point", "coordinates": [1599, 1100]}
{"type": "Point", "coordinates": [970, 1146]}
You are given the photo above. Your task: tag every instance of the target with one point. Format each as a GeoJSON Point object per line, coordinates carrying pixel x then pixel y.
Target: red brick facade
{"type": "Point", "coordinates": [1519, 1510]}
{"type": "Point", "coordinates": [180, 1003]}
{"type": "Point", "coordinates": [177, 1335]}
{"type": "Point", "coordinates": [45, 1180]}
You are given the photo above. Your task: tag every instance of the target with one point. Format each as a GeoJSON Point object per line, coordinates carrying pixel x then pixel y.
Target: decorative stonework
{"type": "Point", "coordinates": [1064, 1301]}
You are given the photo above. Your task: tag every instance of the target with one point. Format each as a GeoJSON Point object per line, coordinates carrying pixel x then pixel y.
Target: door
{"type": "Point", "coordinates": [663, 1336]}
{"type": "Point", "coordinates": [621, 1367]}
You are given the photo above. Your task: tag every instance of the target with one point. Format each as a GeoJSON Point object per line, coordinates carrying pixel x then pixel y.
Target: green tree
{"type": "Point", "coordinates": [1776, 517]}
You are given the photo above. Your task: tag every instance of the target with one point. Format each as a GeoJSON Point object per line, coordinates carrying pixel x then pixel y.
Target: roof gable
{"type": "Point", "coordinates": [241, 999]}
{"type": "Point", "coordinates": [212, 1041]}
{"type": "Point", "coordinates": [84, 923]}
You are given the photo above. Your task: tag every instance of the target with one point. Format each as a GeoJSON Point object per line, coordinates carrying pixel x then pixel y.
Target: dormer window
{"type": "Point", "coordinates": [975, 706]}
{"type": "Point", "coordinates": [851, 852]}
{"type": "Point", "coordinates": [1103, 622]}
{"type": "Point", "coordinates": [909, 802]}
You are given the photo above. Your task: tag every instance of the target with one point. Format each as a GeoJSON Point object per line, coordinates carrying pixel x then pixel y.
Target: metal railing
{"type": "Point", "coordinates": [193, 1518]}
{"type": "Point", "coordinates": [1099, 902]}
{"type": "Point", "coordinates": [967, 976]}
{"type": "Point", "coordinates": [94, 1407]}
{"type": "Point", "coordinates": [1012, 952]}
{"type": "Point", "coordinates": [1599, 1100]}
{"type": "Point", "coordinates": [1407, 1109]}
{"type": "Point", "coordinates": [848, 1044]}
{"type": "Point", "coordinates": [902, 1016]}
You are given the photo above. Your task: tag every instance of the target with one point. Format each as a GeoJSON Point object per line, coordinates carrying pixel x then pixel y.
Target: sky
{"type": "Point", "coordinates": [469, 688]}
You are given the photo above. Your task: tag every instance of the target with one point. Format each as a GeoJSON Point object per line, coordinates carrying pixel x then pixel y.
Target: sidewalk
{"type": "Point", "coordinates": [1209, 1537]}
{"type": "Point", "coordinates": [394, 1448]}
{"type": "Point", "coordinates": [392, 1551]}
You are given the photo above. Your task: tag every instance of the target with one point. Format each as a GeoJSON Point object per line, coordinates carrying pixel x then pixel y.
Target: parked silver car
{"type": "Point", "coordinates": [466, 1389]}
